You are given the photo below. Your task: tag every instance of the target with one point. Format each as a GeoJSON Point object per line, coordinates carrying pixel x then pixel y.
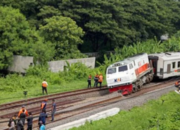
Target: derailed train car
{"type": "Point", "coordinates": [130, 74]}
{"type": "Point", "coordinates": [165, 64]}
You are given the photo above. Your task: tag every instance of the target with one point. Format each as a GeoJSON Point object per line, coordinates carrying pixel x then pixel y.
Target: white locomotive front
{"type": "Point", "coordinates": [129, 74]}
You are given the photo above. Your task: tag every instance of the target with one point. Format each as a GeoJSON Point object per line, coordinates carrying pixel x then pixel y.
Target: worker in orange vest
{"type": "Point", "coordinates": [100, 79]}
{"type": "Point", "coordinates": [21, 111]}
{"type": "Point", "coordinates": [96, 80]}
{"type": "Point", "coordinates": [177, 85]}
{"type": "Point", "coordinates": [89, 81]}
{"type": "Point", "coordinates": [44, 86]}
{"type": "Point", "coordinates": [43, 105]}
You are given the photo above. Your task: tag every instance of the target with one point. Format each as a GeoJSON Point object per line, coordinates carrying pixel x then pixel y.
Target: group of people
{"type": "Point", "coordinates": [98, 79]}
{"type": "Point", "coordinates": [18, 122]}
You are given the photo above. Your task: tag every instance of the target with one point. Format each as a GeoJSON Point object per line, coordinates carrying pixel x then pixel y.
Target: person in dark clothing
{"type": "Point", "coordinates": [23, 116]}
{"type": "Point", "coordinates": [44, 86]}
{"type": "Point", "coordinates": [43, 105]}
{"type": "Point", "coordinates": [89, 81]}
{"type": "Point", "coordinates": [14, 119]}
{"type": "Point", "coordinates": [20, 125]}
{"type": "Point", "coordinates": [96, 80]}
{"type": "Point", "coordinates": [30, 121]}
{"type": "Point", "coordinates": [42, 117]}
{"type": "Point", "coordinates": [53, 109]}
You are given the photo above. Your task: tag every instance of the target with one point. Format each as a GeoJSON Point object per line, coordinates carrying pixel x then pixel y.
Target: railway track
{"type": "Point", "coordinates": [70, 108]}
{"type": "Point", "coordinates": [39, 99]}
{"type": "Point", "coordinates": [63, 100]}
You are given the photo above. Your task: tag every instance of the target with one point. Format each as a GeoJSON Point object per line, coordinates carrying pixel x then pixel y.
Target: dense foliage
{"type": "Point", "coordinates": [161, 114]}
{"type": "Point", "coordinates": [149, 46]}
{"type": "Point", "coordinates": [56, 29]}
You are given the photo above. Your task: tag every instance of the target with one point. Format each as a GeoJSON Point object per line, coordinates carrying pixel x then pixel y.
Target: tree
{"type": "Point", "coordinates": [122, 22]}
{"type": "Point", "coordinates": [17, 38]}
{"type": "Point", "coordinates": [64, 34]}
{"type": "Point", "coordinates": [14, 34]}
{"type": "Point", "coordinates": [107, 23]}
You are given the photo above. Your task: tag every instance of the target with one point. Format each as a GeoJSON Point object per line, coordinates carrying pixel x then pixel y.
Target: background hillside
{"type": "Point", "coordinates": [61, 29]}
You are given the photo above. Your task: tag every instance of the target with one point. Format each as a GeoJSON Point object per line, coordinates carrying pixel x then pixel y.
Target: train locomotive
{"type": "Point", "coordinates": [132, 73]}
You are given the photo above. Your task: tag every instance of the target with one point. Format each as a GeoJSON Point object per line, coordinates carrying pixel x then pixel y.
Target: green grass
{"type": "Point", "coordinates": [154, 115]}
{"type": "Point", "coordinates": [35, 90]}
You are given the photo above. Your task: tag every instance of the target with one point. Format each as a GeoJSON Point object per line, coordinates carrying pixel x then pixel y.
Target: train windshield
{"type": "Point", "coordinates": [111, 70]}
{"type": "Point", "coordinates": [123, 68]}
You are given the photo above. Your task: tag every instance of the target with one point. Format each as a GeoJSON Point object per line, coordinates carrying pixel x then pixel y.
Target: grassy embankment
{"type": "Point", "coordinates": [36, 91]}
{"type": "Point", "coordinates": [154, 115]}
{"type": "Point", "coordinates": [12, 87]}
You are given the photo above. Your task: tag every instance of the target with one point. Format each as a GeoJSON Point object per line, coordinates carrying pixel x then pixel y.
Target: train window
{"type": "Point", "coordinates": [173, 65]}
{"type": "Point", "coordinates": [161, 71]}
{"type": "Point", "coordinates": [130, 66]}
{"type": "Point", "coordinates": [178, 64]}
{"type": "Point", "coordinates": [123, 68]}
{"type": "Point", "coordinates": [111, 70]}
{"type": "Point", "coordinates": [134, 63]}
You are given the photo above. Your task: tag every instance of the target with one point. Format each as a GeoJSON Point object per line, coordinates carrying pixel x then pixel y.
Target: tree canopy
{"type": "Point", "coordinates": [64, 35]}
{"type": "Point", "coordinates": [15, 35]}
{"type": "Point", "coordinates": [59, 27]}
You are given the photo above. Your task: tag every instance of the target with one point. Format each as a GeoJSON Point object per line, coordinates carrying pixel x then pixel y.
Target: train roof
{"type": "Point", "coordinates": [165, 56]}
{"type": "Point", "coordinates": [127, 60]}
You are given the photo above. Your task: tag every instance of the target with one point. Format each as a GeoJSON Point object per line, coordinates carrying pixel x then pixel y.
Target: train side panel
{"type": "Point", "coordinates": [168, 64]}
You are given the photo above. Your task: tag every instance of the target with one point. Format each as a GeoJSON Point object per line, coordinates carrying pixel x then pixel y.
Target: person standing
{"type": "Point", "coordinates": [42, 126]}
{"type": "Point", "coordinates": [29, 121]}
{"type": "Point", "coordinates": [96, 80]}
{"type": "Point", "coordinates": [89, 81]}
{"type": "Point", "coordinates": [43, 105]}
{"type": "Point", "coordinates": [23, 116]}
{"type": "Point", "coordinates": [14, 119]}
{"type": "Point", "coordinates": [21, 110]}
{"type": "Point", "coordinates": [42, 117]}
{"type": "Point", "coordinates": [177, 84]}
{"type": "Point", "coordinates": [44, 86]}
{"type": "Point", "coordinates": [11, 124]}
{"type": "Point", "coordinates": [20, 125]}
{"type": "Point", "coordinates": [53, 110]}
{"type": "Point", "coordinates": [100, 80]}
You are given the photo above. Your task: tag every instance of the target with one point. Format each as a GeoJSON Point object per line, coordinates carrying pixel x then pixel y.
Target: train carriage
{"type": "Point", "coordinates": [130, 74]}
{"type": "Point", "coordinates": [165, 64]}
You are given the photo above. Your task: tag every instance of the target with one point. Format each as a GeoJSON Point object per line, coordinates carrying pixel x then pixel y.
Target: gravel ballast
{"type": "Point", "coordinates": [125, 104]}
